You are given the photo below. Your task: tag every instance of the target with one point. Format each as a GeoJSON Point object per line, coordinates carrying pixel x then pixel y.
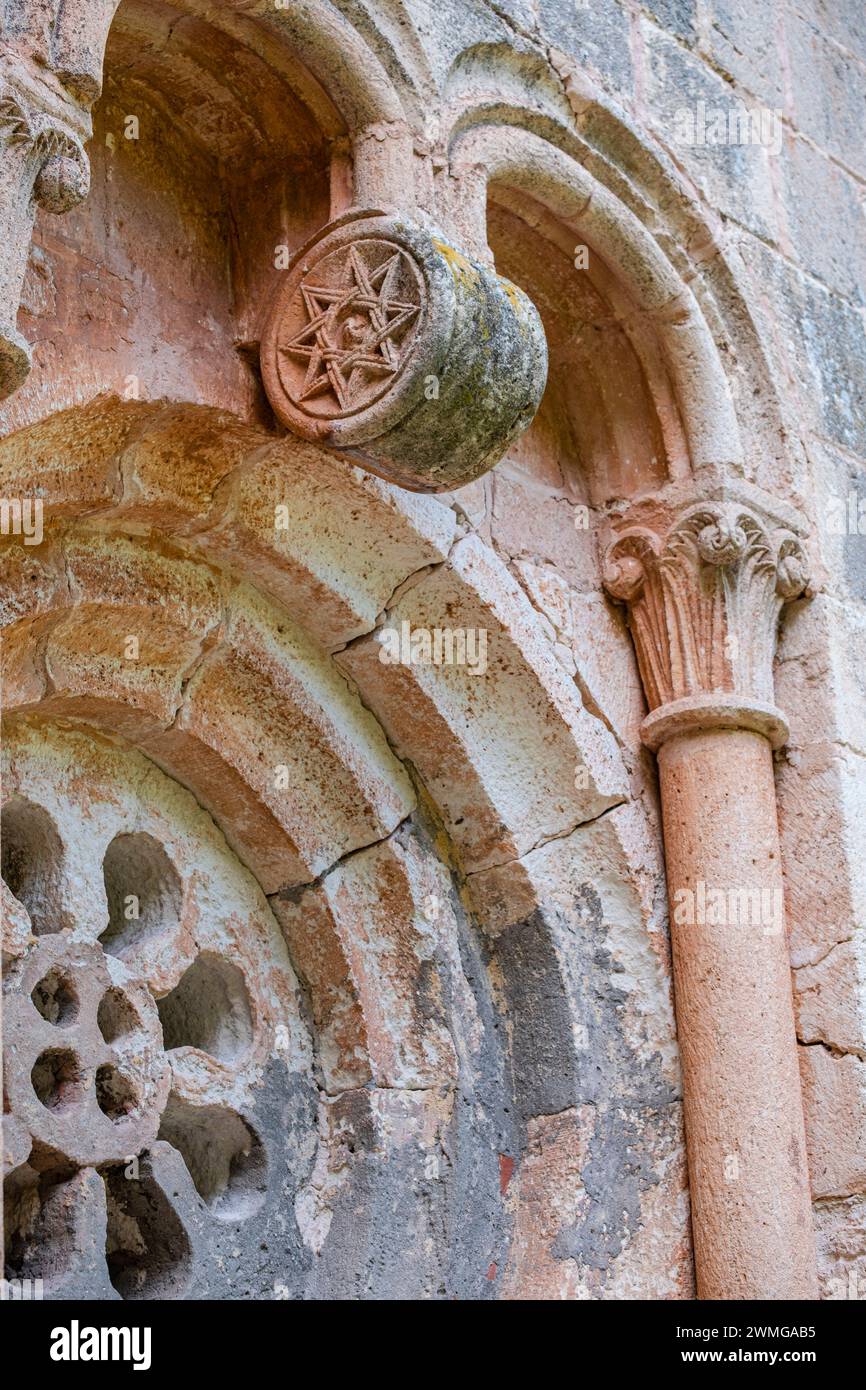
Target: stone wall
{"type": "Point", "coordinates": [460, 874]}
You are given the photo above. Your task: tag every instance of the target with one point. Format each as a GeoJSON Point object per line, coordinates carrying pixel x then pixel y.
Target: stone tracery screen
{"type": "Point", "coordinates": [147, 1082]}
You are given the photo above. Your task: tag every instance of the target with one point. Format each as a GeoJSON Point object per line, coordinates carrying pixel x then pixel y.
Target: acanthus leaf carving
{"type": "Point", "coordinates": [14, 122]}
{"type": "Point", "coordinates": [58, 163]}
{"type": "Point", "coordinates": [704, 594]}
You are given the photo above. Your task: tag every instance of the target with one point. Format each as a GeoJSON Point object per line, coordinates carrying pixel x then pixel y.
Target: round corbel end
{"type": "Point", "coordinates": [393, 347]}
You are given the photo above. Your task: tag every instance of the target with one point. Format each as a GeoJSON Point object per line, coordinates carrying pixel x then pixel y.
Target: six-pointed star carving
{"type": "Point", "coordinates": [350, 330]}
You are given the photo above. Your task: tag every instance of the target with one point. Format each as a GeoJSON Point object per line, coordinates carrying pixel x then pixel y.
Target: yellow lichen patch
{"type": "Point", "coordinates": [518, 301]}
{"type": "Point", "coordinates": [460, 267]}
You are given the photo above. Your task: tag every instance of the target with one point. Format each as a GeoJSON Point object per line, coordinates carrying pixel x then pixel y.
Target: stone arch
{"type": "Point", "coordinates": [521, 130]}
{"type": "Point", "coordinates": [362, 885]}
{"type": "Point", "coordinates": [523, 161]}
{"type": "Point", "coordinates": [329, 66]}
{"type": "Point", "coordinates": [233, 96]}
{"type": "Point", "coordinates": [187, 613]}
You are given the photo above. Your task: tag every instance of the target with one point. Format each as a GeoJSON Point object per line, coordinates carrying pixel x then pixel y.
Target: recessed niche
{"type": "Point", "coordinates": [116, 1017]}
{"type": "Point", "coordinates": [55, 998]}
{"type": "Point", "coordinates": [209, 1008]}
{"type": "Point", "coordinates": [114, 1093]}
{"type": "Point", "coordinates": [225, 1158]}
{"type": "Point", "coordinates": [57, 1078]}
{"type": "Point", "coordinates": [146, 1246]}
{"type": "Point", "coordinates": [143, 892]}
{"type": "Point", "coordinates": [31, 858]}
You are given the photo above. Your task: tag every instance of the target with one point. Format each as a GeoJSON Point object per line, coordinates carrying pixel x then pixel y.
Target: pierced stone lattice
{"type": "Point", "coordinates": [137, 1023]}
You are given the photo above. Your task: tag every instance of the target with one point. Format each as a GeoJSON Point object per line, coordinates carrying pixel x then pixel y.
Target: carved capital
{"type": "Point", "coordinates": [386, 342]}
{"type": "Point", "coordinates": [704, 583]}
{"type": "Point", "coordinates": [50, 73]}
{"type": "Point", "coordinates": [47, 149]}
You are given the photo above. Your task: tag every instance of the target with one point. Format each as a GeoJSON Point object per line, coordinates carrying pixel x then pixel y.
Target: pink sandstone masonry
{"type": "Point", "coordinates": [433, 610]}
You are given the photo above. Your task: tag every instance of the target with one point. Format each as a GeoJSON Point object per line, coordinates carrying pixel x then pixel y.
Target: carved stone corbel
{"type": "Point", "coordinates": [704, 580]}
{"type": "Point", "coordinates": [50, 74]}
{"type": "Point", "coordinates": [389, 344]}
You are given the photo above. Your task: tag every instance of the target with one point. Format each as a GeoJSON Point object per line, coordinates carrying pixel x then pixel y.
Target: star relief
{"type": "Point", "coordinates": [350, 335]}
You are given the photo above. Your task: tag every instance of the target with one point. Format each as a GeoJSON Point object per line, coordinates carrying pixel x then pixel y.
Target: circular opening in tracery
{"type": "Point", "coordinates": [225, 1157]}
{"type": "Point", "coordinates": [114, 1093]}
{"type": "Point", "coordinates": [31, 853]}
{"type": "Point", "coordinates": [115, 1016]}
{"type": "Point", "coordinates": [209, 1009]}
{"type": "Point", "coordinates": [55, 998]}
{"type": "Point", "coordinates": [143, 892]}
{"type": "Point", "coordinates": [147, 1248]}
{"type": "Point", "coordinates": [57, 1078]}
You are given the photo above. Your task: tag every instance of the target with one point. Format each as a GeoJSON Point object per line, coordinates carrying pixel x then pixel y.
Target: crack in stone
{"type": "Point", "coordinates": [834, 1049]}
{"type": "Point", "coordinates": [292, 893]}
{"type": "Point", "coordinates": [549, 839]}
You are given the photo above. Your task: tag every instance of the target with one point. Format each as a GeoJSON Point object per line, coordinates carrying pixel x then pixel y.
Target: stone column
{"type": "Point", "coordinates": [704, 583]}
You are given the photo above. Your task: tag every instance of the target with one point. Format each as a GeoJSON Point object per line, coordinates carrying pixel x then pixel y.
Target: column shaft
{"type": "Point", "coordinates": [751, 1206]}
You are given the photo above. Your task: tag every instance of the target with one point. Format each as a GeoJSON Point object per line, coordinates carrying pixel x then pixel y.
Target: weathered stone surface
{"type": "Point", "coordinates": [514, 782]}
{"type": "Point", "coordinates": [743, 41]}
{"type": "Point", "coordinates": [387, 343]}
{"type": "Point", "coordinates": [367, 943]}
{"type": "Point", "coordinates": [17, 935]}
{"type": "Point", "coordinates": [829, 998]}
{"type": "Point", "coordinates": [244, 499]}
{"type": "Point", "coordinates": [835, 1099]}
{"type": "Point", "coordinates": [826, 108]}
{"type": "Point", "coordinates": [841, 1228]}
{"type": "Point", "coordinates": [733, 177]}
{"type": "Point", "coordinates": [822, 805]}
{"type": "Point", "coordinates": [284, 721]}
{"type": "Point", "coordinates": [277, 516]}
{"type": "Point", "coordinates": [553, 1255]}
{"type": "Point", "coordinates": [62, 1236]}
{"type": "Point", "coordinates": [472, 1088]}
{"type": "Point", "coordinates": [72, 460]}
{"type": "Point", "coordinates": [595, 1064]}
{"type": "Point", "coordinates": [172, 468]}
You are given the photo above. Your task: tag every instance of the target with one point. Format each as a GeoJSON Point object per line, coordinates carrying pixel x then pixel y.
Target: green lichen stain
{"type": "Point", "coordinates": [462, 270]}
